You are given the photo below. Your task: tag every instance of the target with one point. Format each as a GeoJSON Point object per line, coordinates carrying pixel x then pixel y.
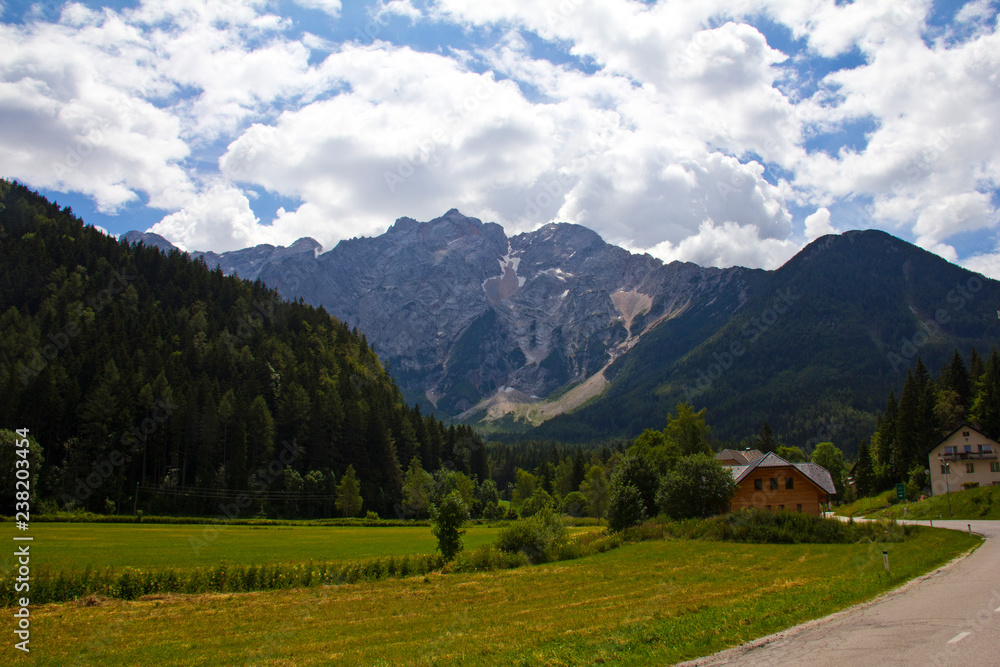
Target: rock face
{"type": "Point", "coordinates": [480, 323]}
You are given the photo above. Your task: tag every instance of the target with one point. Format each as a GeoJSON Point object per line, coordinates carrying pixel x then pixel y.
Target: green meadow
{"type": "Point", "coordinates": [654, 602]}
{"type": "Point", "coordinates": [73, 546]}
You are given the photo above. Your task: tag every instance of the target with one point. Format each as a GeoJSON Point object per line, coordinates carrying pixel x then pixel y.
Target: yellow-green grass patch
{"type": "Point", "coordinates": [650, 603]}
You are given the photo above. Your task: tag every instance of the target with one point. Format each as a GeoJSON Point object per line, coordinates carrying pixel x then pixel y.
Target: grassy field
{"type": "Point", "coordinates": [649, 603]}
{"type": "Point", "coordinates": [981, 503]}
{"type": "Point", "coordinates": [73, 546]}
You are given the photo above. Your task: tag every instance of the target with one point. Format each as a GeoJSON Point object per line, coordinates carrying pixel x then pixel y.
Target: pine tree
{"type": "Point", "coordinates": [766, 440]}
{"type": "Point", "coordinates": [955, 376]}
{"type": "Point", "coordinates": [864, 472]}
{"type": "Point", "coordinates": [986, 407]}
{"type": "Point", "coordinates": [883, 445]}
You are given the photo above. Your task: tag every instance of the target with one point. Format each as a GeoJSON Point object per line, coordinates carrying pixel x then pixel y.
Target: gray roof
{"type": "Point", "coordinates": [740, 455]}
{"type": "Point", "coordinates": [814, 472]}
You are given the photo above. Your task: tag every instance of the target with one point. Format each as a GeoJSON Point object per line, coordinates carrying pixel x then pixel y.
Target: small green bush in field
{"type": "Point", "coordinates": [537, 537]}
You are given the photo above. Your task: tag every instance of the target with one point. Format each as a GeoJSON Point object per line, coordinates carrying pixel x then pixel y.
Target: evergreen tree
{"type": "Point", "coordinates": [883, 445]}
{"type": "Point", "coordinates": [955, 377]}
{"type": "Point", "coordinates": [986, 407]}
{"type": "Point", "coordinates": [766, 441]}
{"type": "Point", "coordinates": [864, 472]}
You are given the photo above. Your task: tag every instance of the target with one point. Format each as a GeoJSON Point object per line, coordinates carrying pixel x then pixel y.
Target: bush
{"type": "Point", "coordinates": [492, 512]}
{"type": "Point", "coordinates": [575, 504]}
{"type": "Point", "coordinates": [625, 507]}
{"type": "Point", "coordinates": [447, 519]}
{"type": "Point", "coordinates": [538, 537]}
{"type": "Point", "coordinates": [487, 558]}
{"type": "Point", "coordinates": [538, 501]}
{"type": "Point", "coordinates": [638, 470]}
{"type": "Point", "coordinates": [697, 486]}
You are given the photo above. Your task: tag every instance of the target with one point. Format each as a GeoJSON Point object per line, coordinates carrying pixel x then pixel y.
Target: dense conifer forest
{"type": "Point", "coordinates": [143, 373]}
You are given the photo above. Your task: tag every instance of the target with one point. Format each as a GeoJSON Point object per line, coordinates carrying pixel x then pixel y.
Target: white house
{"type": "Point", "coordinates": [964, 459]}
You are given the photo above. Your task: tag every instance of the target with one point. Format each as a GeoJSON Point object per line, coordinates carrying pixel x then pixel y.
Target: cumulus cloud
{"type": "Point", "coordinates": [670, 127]}
{"type": "Point", "coordinates": [987, 264]}
{"type": "Point", "coordinates": [728, 244]}
{"type": "Point", "coordinates": [218, 218]}
{"type": "Point", "coordinates": [331, 7]}
{"type": "Point", "coordinates": [818, 224]}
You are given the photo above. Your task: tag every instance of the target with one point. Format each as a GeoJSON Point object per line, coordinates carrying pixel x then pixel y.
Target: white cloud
{"type": "Point", "coordinates": [219, 218]}
{"type": "Point", "coordinates": [331, 7]}
{"type": "Point", "coordinates": [728, 244]}
{"type": "Point", "coordinates": [987, 264]}
{"type": "Point", "coordinates": [818, 224]}
{"type": "Point", "coordinates": [399, 8]}
{"type": "Point", "coordinates": [657, 144]}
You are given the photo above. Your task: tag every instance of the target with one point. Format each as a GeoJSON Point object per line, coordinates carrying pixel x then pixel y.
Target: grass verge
{"type": "Point", "coordinates": [979, 503]}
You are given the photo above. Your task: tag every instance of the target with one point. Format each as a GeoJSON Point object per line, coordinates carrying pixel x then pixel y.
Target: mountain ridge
{"type": "Point", "coordinates": [558, 331]}
{"type": "Point", "coordinates": [541, 310]}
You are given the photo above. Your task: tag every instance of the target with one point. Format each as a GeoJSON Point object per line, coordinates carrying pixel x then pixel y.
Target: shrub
{"type": "Point", "coordinates": [493, 512]}
{"type": "Point", "coordinates": [575, 504]}
{"type": "Point", "coordinates": [697, 486]}
{"type": "Point", "coordinates": [447, 519]}
{"type": "Point", "coordinates": [538, 501]}
{"type": "Point", "coordinates": [537, 537]}
{"type": "Point", "coordinates": [625, 507]}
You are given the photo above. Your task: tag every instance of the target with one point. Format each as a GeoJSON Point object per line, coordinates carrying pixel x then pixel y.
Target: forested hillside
{"type": "Point", "coordinates": [814, 352]}
{"type": "Point", "coordinates": [135, 368]}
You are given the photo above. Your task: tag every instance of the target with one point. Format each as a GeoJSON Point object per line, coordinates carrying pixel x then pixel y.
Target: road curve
{"type": "Point", "coordinates": [951, 617]}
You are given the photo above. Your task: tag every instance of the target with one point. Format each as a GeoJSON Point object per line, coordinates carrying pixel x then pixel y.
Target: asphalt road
{"type": "Point", "coordinates": [950, 617]}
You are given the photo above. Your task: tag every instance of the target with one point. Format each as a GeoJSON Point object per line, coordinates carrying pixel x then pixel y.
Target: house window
{"type": "Point", "coordinates": [781, 507]}
{"type": "Point", "coordinates": [944, 469]}
{"type": "Point", "coordinates": [758, 485]}
{"type": "Point", "coordinates": [774, 483]}
{"type": "Point", "coordinates": [994, 466]}
{"type": "Point", "coordinates": [970, 467]}
{"type": "Point", "coordinates": [789, 483]}
{"type": "Point", "coordinates": [965, 434]}
{"type": "Point", "coordinates": [949, 450]}
{"type": "Point", "coordinates": [968, 449]}
{"type": "Point", "coordinates": [798, 508]}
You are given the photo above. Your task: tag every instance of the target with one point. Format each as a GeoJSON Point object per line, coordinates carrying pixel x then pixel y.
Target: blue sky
{"type": "Point", "coordinates": [721, 132]}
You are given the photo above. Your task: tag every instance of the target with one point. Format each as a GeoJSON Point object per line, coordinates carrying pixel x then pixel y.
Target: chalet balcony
{"type": "Point", "coordinates": [969, 456]}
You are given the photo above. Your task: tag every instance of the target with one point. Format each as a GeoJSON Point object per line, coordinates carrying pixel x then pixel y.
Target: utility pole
{"type": "Point", "coordinates": [947, 484]}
